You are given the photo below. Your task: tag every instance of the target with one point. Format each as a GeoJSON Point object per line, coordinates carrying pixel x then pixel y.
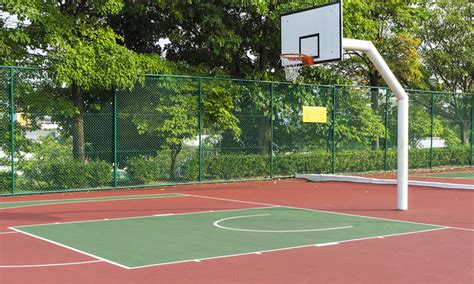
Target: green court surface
{"type": "Point", "coordinates": [163, 239]}
{"type": "Point", "coordinates": [462, 175]}
{"type": "Point", "coordinates": [16, 204]}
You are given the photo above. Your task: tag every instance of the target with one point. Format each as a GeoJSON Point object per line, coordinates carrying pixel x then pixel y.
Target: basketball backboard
{"type": "Point", "coordinates": [315, 32]}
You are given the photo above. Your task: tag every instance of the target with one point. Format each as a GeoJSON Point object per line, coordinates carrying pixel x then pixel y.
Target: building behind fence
{"type": "Point", "coordinates": [179, 129]}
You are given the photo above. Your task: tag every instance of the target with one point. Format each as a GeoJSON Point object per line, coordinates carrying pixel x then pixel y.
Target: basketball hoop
{"type": "Point", "coordinates": [292, 63]}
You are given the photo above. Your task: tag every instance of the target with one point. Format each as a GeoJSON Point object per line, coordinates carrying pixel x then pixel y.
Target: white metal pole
{"type": "Point", "coordinates": [403, 102]}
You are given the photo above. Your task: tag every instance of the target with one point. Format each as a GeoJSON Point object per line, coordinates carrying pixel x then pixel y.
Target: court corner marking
{"type": "Point", "coordinates": [70, 248]}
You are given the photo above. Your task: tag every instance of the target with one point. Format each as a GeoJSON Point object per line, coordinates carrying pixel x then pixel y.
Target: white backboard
{"type": "Point", "coordinates": [315, 32]}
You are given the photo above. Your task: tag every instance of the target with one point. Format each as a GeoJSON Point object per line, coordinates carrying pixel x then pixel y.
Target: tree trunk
{"type": "Point", "coordinates": [78, 125]}
{"type": "Point", "coordinates": [262, 49]}
{"type": "Point", "coordinates": [464, 133]}
{"type": "Point", "coordinates": [263, 128]}
{"type": "Point", "coordinates": [174, 155]}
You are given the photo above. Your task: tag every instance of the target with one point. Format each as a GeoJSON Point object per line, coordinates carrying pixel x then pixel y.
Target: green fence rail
{"type": "Point", "coordinates": [182, 129]}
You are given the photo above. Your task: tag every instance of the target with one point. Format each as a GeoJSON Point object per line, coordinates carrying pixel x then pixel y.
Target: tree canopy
{"type": "Point", "coordinates": [93, 47]}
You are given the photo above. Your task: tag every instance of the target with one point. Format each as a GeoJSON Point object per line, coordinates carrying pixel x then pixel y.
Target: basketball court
{"type": "Point", "coordinates": [277, 231]}
{"type": "Point", "coordinates": [270, 231]}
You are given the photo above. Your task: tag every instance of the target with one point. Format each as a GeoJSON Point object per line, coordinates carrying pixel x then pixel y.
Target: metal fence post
{"type": "Point", "coordinates": [115, 138]}
{"type": "Point", "coordinates": [334, 109]}
{"type": "Point", "coordinates": [200, 128]}
{"type": "Point", "coordinates": [432, 128]}
{"type": "Point", "coordinates": [12, 125]}
{"type": "Point", "coordinates": [387, 126]}
{"type": "Point", "coordinates": [472, 130]}
{"type": "Point", "coordinates": [271, 130]}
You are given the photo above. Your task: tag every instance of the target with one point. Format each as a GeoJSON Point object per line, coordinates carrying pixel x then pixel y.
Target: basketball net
{"type": "Point", "coordinates": [292, 64]}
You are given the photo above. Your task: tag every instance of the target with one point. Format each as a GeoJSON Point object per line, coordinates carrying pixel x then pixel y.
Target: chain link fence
{"type": "Point", "coordinates": [179, 129]}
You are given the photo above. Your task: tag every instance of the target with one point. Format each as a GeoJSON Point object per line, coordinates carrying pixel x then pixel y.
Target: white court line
{"type": "Point", "coordinates": [327, 244]}
{"type": "Point", "coordinates": [216, 223]}
{"type": "Point", "coordinates": [462, 229]}
{"type": "Point", "coordinates": [332, 212]}
{"type": "Point", "coordinates": [141, 217]}
{"type": "Point", "coordinates": [90, 199]}
{"type": "Point", "coordinates": [49, 264]}
{"type": "Point", "coordinates": [275, 250]}
{"type": "Point", "coordinates": [248, 253]}
{"type": "Point", "coordinates": [18, 230]}
{"type": "Point", "coordinates": [4, 233]}
{"type": "Point", "coordinates": [71, 248]}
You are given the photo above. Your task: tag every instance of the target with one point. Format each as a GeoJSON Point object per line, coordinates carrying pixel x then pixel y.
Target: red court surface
{"type": "Point", "coordinates": [443, 256]}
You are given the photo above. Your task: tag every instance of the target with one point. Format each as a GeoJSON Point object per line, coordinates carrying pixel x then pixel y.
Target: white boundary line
{"type": "Point", "coordinates": [140, 217]}
{"type": "Point", "coordinates": [338, 213]}
{"type": "Point", "coordinates": [49, 264]}
{"type": "Point", "coordinates": [282, 249]}
{"type": "Point", "coordinates": [18, 230]}
{"type": "Point", "coordinates": [90, 199]}
{"type": "Point", "coordinates": [71, 248]}
{"type": "Point", "coordinates": [4, 233]}
{"type": "Point", "coordinates": [462, 229]}
{"type": "Point", "coordinates": [267, 205]}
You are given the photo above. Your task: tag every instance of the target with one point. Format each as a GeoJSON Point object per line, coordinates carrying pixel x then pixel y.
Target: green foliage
{"type": "Point", "coordinates": [14, 38]}
{"type": "Point", "coordinates": [172, 106]}
{"type": "Point", "coordinates": [156, 169]}
{"type": "Point", "coordinates": [217, 106]}
{"type": "Point", "coordinates": [314, 162]}
{"type": "Point", "coordinates": [456, 155]}
{"type": "Point", "coordinates": [6, 182]}
{"type": "Point", "coordinates": [67, 174]}
{"type": "Point", "coordinates": [228, 166]}
{"type": "Point", "coordinates": [95, 59]}
{"type": "Point", "coordinates": [357, 122]}
{"type": "Point", "coordinates": [391, 27]}
{"type": "Point", "coordinates": [447, 48]}
{"type": "Point", "coordinates": [53, 168]}
{"type": "Point", "coordinates": [447, 33]}
{"type": "Point", "coordinates": [235, 166]}
{"type": "Point", "coordinates": [148, 170]}
{"type": "Point", "coordinates": [420, 127]}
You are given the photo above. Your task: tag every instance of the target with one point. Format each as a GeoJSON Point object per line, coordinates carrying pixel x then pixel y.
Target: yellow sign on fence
{"type": "Point", "coordinates": [314, 114]}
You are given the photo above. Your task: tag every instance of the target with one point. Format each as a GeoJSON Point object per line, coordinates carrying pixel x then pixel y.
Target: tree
{"type": "Point", "coordinates": [168, 110]}
{"type": "Point", "coordinates": [81, 50]}
{"type": "Point", "coordinates": [421, 128]}
{"type": "Point", "coordinates": [240, 37]}
{"type": "Point", "coordinates": [392, 30]}
{"type": "Point", "coordinates": [13, 37]}
{"type": "Point", "coordinates": [448, 57]}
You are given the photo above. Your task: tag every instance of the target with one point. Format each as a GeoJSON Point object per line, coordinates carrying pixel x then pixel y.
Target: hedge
{"type": "Point", "coordinates": [230, 166]}
{"type": "Point", "coordinates": [63, 173]}
{"type": "Point", "coordinates": [6, 182]}
{"type": "Point", "coordinates": [66, 174]}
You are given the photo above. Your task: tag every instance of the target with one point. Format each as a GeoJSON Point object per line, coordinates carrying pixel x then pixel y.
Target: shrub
{"type": "Point", "coordinates": [292, 163]}
{"type": "Point", "coordinates": [5, 182]}
{"type": "Point", "coordinates": [148, 169]}
{"type": "Point", "coordinates": [452, 156]}
{"type": "Point", "coordinates": [157, 169]}
{"type": "Point", "coordinates": [67, 174]}
{"type": "Point", "coordinates": [235, 166]}
{"type": "Point", "coordinates": [232, 166]}
{"type": "Point", "coordinates": [359, 160]}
